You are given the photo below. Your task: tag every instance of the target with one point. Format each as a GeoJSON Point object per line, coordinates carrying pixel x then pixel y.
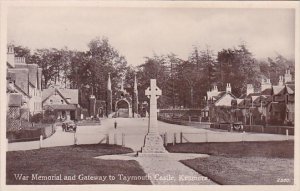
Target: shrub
{"type": "Point", "coordinates": [49, 116]}
{"type": "Point", "coordinates": [36, 118]}
{"type": "Point", "coordinates": [24, 135]}
{"type": "Point", "coordinates": [49, 112]}
{"type": "Point", "coordinates": [49, 119]}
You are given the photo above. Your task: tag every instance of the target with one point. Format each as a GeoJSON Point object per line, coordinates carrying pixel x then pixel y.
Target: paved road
{"type": "Point", "coordinates": [135, 130]}
{"type": "Point", "coordinates": [85, 135]}
{"type": "Point", "coordinates": [164, 169]}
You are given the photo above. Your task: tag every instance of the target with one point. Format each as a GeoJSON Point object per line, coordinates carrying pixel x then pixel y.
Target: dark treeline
{"type": "Point", "coordinates": [184, 82]}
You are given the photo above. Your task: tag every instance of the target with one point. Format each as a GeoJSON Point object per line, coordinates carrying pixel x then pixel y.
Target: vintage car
{"type": "Point", "coordinates": [237, 126]}
{"type": "Point", "coordinates": [69, 126]}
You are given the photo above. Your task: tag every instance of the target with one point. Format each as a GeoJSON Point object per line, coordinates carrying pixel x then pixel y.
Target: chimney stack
{"type": "Point", "coordinates": [280, 83]}
{"type": "Point", "coordinates": [215, 89]}
{"type": "Point", "coordinates": [11, 55]}
{"type": "Point", "coordinates": [228, 87]}
{"type": "Point", "coordinates": [265, 84]}
{"type": "Point", "coordinates": [287, 76]}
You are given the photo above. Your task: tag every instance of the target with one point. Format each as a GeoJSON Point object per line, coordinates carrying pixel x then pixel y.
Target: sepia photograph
{"type": "Point", "coordinates": [148, 93]}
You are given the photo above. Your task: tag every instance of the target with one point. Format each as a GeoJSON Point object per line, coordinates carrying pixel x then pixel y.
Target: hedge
{"type": "Point", "coordinates": [31, 134]}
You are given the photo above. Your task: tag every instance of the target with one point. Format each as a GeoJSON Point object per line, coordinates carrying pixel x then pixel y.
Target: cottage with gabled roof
{"type": "Point", "coordinates": [218, 101]}
{"type": "Point", "coordinates": [274, 104]}
{"type": "Point", "coordinates": [64, 102]}
{"type": "Point", "coordinates": [220, 98]}
{"type": "Point", "coordinates": [25, 79]}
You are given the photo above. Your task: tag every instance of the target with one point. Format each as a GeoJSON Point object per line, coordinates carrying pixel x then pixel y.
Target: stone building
{"type": "Point", "coordinates": [25, 79]}
{"type": "Point", "coordinates": [64, 102]}
{"type": "Point", "coordinates": [124, 104]}
{"type": "Point", "coordinates": [23, 90]}
{"type": "Point", "coordinates": [218, 104]}
{"type": "Point", "coordinates": [273, 104]}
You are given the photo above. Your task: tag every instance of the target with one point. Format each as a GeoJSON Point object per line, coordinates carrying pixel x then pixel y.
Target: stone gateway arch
{"type": "Point", "coordinates": [123, 108]}
{"type": "Point", "coordinates": [126, 104]}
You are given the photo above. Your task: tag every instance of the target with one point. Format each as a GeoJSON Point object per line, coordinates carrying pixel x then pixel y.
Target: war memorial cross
{"type": "Point", "coordinates": [153, 142]}
{"type": "Point", "coordinates": [153, 92]}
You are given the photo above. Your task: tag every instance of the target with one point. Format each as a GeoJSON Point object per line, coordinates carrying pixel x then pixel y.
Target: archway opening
{"type": "Point", "coordinates": [122, 109]}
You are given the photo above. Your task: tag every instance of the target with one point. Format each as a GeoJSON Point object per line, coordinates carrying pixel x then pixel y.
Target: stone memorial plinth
{"type": "Point", "coordinates": [153, 143]}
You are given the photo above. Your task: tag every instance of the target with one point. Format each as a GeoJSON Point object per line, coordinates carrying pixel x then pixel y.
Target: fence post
{"type": "Point", "coordinates": [206, 137]}
{"type": "Point", "coordinates": [41, 141]}
{"type": "Point", "coordinates": [115, 138]}
{"type": "Point", "coordinates": [243, 136]}
{"type": "Point", "coordinates": [75, 139]}
{"type": "Point", "coordinates": [174, 140]}
{"type": "Point", "coordinates": [166, 139]}
{"type": "Point", "coordinates": [123, 139]}
{"type": "Point", "coordinates": [190, 119]}
{"type": "Point", "coordinates": [287, 134]}
{"type": "Point", "coordinates": [200, 118]}
{"type": "Point", "coordinates": [181, 137]}
{"type": "Point", "coordinates": [107, 139]}
{"type": "Point", "coordinates": [262, 129]}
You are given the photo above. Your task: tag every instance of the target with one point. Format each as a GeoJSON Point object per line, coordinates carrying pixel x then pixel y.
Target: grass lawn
{"type": "Point", "coordinates": [71, 163]}
{"type": "Point", "coordinates": [237, 163]}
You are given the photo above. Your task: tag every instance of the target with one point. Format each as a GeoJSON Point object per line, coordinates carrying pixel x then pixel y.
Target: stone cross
{"type": "Point", "coordinates": [153, 92]}
{"type": "Point", "coordinates": [153, 143]}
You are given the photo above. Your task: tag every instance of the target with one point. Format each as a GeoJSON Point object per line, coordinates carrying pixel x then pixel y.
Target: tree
{"type": "Point", "coordinates": [237, 67]}
{"type": "Point", "coordinates": [154, 68]}
{"type": "Point", "coordinates": [275, 67]}
{"type": "Point", "coordinates": [104, 59]}
{"type": "Point", "coordinates": [207, 75]}
{"type": "Point", "coordinates": [50, 61]}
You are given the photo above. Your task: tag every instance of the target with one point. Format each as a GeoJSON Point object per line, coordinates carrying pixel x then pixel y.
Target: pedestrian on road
{"type": "Point", "coordinates": [116, 124]}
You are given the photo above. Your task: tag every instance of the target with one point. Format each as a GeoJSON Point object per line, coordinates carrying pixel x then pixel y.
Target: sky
{"type": "Point", "coordinates": [141, 32]}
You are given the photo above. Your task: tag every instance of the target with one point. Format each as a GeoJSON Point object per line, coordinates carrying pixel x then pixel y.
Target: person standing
{"type": "Point", "coordinates": [115, 124]}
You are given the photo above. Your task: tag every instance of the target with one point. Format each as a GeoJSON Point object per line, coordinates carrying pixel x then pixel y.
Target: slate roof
{"type": "Point", "coordinates": [21, 78]}
{"type": "Point", "coordinates": [290, 88]}
{"type": "Point", "coordinates": [253, 94]}
{"type": "Point", "coordinates": [278, 89]}
{"type": "Point", "coordinates": [241, 105]}
{"type": "Point", "coordinates": [32, 70]}
{"type": "Point", "coordinates": [218, 95]}
{"type": "Point", "coordinates": [239, 100]}
{"type": "Point", "coordinates": [21, 90]}
{"type": "Point", "coordinates": [243, 96]}
{"type": "Point", "coordinates": [267, 91]}
{"type": "Point", "coordinates": [62, 107]}
{"type": "Point", "coordinates": [212, 94]}
{"type": "Point", "coordinates": [221, 95]}
{"type": "Point", "coordinates": [15, 100]}
{"type": "Point", "coordinates": [71, 94]}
